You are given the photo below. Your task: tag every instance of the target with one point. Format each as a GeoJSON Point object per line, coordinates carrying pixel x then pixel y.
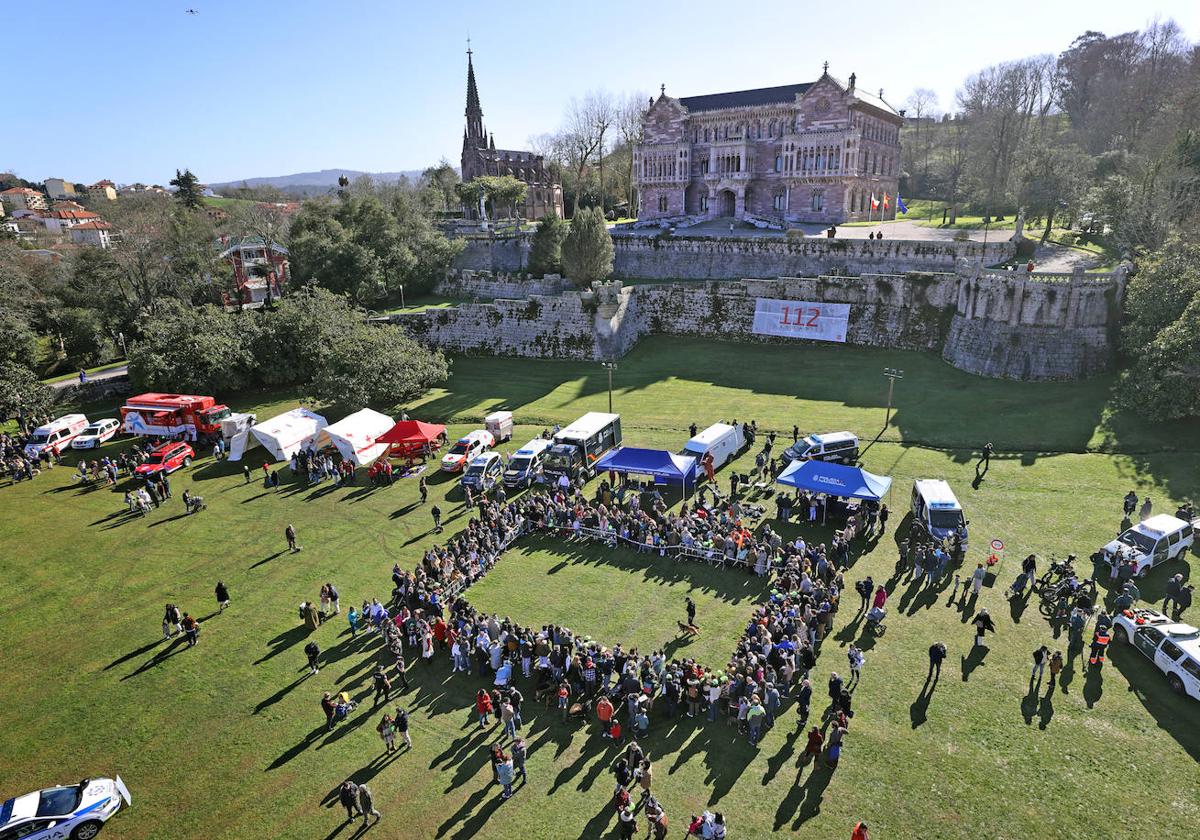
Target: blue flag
{"type": "Point", "coordinates": [900, 205]}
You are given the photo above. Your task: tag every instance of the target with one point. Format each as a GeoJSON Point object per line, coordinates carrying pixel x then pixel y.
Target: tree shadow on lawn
{"type": "Point", "coordinates": [731, 585]}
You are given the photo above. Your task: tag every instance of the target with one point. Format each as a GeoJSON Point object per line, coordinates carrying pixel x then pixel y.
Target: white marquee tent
{"type": "Point", "coordinates": [354, 436]}
{"type": "Point", "coordinates": [286, 434]}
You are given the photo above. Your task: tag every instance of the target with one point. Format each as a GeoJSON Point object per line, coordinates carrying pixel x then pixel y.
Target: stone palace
{"type": "Point", "coordinates": [810, 152]}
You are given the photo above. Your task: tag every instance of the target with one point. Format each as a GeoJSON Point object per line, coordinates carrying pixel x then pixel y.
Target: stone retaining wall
{"type": "Point", "coordinates": [486, 285]}
{"type": "Point", "coordinates": [1000, 324]}
{"type": "Point", "coordinates": [683, 257]}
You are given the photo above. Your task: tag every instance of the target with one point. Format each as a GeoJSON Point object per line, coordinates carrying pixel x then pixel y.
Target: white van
{"type": "Point", "coordinates": [720, 440]}
{"type": "Point", "coordinates": [936, 509]}
{"type": "Point", "coordinates": [56, 435]}
{"type": "Point", "coordinates": [835, 447]}
{"type": "Point", "coordinates": [1157, 540]}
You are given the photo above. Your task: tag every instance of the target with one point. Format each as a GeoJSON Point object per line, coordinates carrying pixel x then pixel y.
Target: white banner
{"type": "Point", "coordinates": [801, 319]}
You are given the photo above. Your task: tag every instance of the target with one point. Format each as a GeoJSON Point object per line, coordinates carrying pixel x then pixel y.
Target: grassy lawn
{"type": "Point", "coordinates": [622, 596]}
{"type": "Point", "coordinates": [227, 741]}
{"type": "Point", "coordinates": [419, 303]}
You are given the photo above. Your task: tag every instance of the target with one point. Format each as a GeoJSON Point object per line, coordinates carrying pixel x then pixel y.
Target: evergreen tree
{"type": "Point", "coordinates": [545, 251]}
{"type": "Point", "coordinates": [587, 252]}
{"type": "Point", "coordinates": [187, 188]}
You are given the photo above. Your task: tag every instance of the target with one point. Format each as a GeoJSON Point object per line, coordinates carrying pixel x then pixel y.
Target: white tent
{"type": "Point", "coordinates": [354, 436]}
{"type": "Point", "coordinates": [286, 434]}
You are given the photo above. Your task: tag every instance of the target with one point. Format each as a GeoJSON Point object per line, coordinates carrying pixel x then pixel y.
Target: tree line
{"type": "Point", "coordinates": [1104, 136]}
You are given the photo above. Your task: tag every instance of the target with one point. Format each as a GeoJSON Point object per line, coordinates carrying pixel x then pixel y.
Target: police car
{"type": "Point", "coordinates": [1174, 648]}
{"type": "Point", "coordinates": [74, 812]}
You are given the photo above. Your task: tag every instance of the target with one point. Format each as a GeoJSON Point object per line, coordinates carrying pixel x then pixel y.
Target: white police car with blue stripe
{"type": "Point", "coordinates": [68, 812]}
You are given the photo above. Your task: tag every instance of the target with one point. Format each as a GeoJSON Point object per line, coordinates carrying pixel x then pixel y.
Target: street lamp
{"type": "Point", "coordinates": [402, 296]}
{"type": "Point", "coordinates": [611, 367]}
{"type": "Point", "coordinates": [892, 375]}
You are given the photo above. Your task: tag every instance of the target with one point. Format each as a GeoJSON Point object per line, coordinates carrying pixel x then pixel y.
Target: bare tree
{"type": "Point", "coordinates": [921, 103]}
{"type": "Point", "coordinates": [631, 127]}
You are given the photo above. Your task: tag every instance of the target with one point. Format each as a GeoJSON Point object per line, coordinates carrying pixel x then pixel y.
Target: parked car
{"type": "Point", "coordinates": [483, 472]}
{"type": "Point", "coordinates": [97, 433]}
{"type": "Point", "coordinates": [1156, 540]}
{"type": "Point", "coordinates": [77, 811]}
{"type": "Point", "coordinates": [167, 458]}
{"type": "Point", "coordinates": [466, 448]}
{"type": "Point", "coordinates": [1174, 648]}
{"type": "Point", "coordinates": [835, 447]}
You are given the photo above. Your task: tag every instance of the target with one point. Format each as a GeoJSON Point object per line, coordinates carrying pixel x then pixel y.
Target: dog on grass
{"type": "Point", "coordinates": [689, 629]}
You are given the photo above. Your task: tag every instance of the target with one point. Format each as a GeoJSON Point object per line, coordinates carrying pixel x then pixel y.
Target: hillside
{"type": "Point", "coordinates": [310, 183]}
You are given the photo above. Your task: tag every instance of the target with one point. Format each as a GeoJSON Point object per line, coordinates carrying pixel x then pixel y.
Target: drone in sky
{"type": "Point", "coordinates": [191, 12]}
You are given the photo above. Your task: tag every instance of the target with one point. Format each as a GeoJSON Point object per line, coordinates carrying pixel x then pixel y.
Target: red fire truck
{"type": "Point", "coordinates": [171, 415]}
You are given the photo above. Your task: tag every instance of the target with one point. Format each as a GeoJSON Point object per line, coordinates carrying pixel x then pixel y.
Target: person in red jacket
{"type": "Point", "coordinates": [816, 739]}
{"type": "Point", "coordinates": [604, 711]}
{"type": "Point", "coordinates": [861, 832]}
{"type": "Point", "coordinates": [483, 705]}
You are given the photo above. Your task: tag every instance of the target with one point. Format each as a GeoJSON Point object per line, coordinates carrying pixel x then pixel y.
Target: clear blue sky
{"type": "Point", "coordinates": [130, 90]}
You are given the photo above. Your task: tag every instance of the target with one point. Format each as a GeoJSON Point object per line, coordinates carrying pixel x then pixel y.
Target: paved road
{"type": "Point", "coordinates": [113, 373]}
{"type": "Point", "coordinates": [1048, 257]}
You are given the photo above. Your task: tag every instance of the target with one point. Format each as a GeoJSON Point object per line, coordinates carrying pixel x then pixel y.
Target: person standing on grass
{"type": "Point", "coordinates": [691, 611]}
{"type": "Point", "coordinates": [507, 718]}
{"type": "Point", "coordinates": [519, 753]}
{"type": "Point", "coordinates": [937, 655]}
{"type": "Point", "coordinates": [290, 533]}
{"type": "Point", "coordinates": [222, 595]}
{"type": "Point", "coordinates": [348, 796]}
{"type": "Point", "coordinates": [423, 489]}
{"type": "Point", "coordinates": [754, 718]}
{"type": "Point", "coordinates": [1056, 666]}
{"type": "Point", "coordinates": [505, 775]}
{"type": "Point", "coordinates": [313, 652]}
{"type": "Point", "coordinates": [246, 472]}
{"type": "Point", "coordinates": [400, 721]}
{"type": "Point", "coordinates": [985, 459]}
{"type": "Point", "coordinates": [436, 513]}
{"type": "Point", "coordinates": [387, 732]}
{"type": "Point", "coordinates": [983, 624]}
{"type": "Point", "coordinates": [1040, 657]}
{"type": "Point", "coordinates": [816, 740]}
{"type": "Point", "coordinates": [857, 660]}
{"type": "Point", "coordinates": [366, 804]}
{"type": "Point", "coordinates": [861, 832]}
{"type": "Point", "coordinates": [329, 707]}
{"type": "Point", "coordinates": [191, 629]}
{"type": "Point", "coordinates": [352, 618]}
{"type": "Point", "coordinates": [483, 706]}
{"type": "Point", "coordinates": [604, 712]}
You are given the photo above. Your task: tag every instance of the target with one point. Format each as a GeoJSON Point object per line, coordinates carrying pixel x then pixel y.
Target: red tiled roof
{"type": "Point", "coordinates": [93, 226]}
{"type": "Point", "coordinates": [73, 214]}
{"type": "Point", "coordinates": [20, 191]}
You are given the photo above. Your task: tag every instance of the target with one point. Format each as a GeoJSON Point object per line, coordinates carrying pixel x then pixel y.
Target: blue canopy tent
{"type": "Point", "coordinates": [655, 462]}
{"type": "Point", "coordinates": [835, 480]}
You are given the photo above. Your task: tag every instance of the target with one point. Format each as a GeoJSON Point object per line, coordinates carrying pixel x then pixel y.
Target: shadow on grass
{"type": "Point", "coordinates": [1174, 713]}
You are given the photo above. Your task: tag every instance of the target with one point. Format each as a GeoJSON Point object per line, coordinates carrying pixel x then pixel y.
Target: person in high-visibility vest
{"type": "Point", "coordinates": [1099, 646]}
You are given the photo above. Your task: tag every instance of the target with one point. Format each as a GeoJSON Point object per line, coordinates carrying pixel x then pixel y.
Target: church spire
{"type": "Point", "coordinates": [474, 112]}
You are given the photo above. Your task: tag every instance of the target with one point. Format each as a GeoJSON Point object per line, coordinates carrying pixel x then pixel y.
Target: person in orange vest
{"type": "Point", "coordinates": [604, 711]}
{"type": "Point", "coordinates": [861, 832]}
{"type": "Point", "coordinates": [1099, 646]}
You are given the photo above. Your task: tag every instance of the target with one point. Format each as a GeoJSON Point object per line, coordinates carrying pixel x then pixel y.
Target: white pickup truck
{"type": "Point", "coordinates": [1174, 648]}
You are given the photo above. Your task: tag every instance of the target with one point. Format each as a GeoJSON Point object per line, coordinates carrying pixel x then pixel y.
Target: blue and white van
{"type": "Point", "coordinates": [525, 465]}
{"type": "Point", "coordinates": [936, 508]}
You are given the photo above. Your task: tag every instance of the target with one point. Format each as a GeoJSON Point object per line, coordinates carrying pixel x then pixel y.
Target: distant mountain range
{"type": "Point", "coordinates": [313, 183]}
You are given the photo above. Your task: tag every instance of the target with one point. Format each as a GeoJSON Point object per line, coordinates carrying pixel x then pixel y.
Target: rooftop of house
{"type": "Point", "coordinates": [93, 226]}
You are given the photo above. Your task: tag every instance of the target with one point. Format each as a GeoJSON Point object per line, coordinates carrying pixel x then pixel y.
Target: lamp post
{"type": "Point", "coordinates": [611, 367]}
{"type": "Point", "coordinates": [402, 296]}
{"type": "Point", "coordinates": [892, 375]}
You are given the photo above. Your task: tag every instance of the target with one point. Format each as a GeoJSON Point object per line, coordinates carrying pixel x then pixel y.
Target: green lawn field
{"type": "Point", "coordinates": [226, 740]}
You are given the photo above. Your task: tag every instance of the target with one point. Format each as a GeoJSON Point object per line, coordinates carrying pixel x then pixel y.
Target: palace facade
{"type": "Point", "coordinates": [808, 152]}
{"type": "Point", "coordinates": [481, 157]}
